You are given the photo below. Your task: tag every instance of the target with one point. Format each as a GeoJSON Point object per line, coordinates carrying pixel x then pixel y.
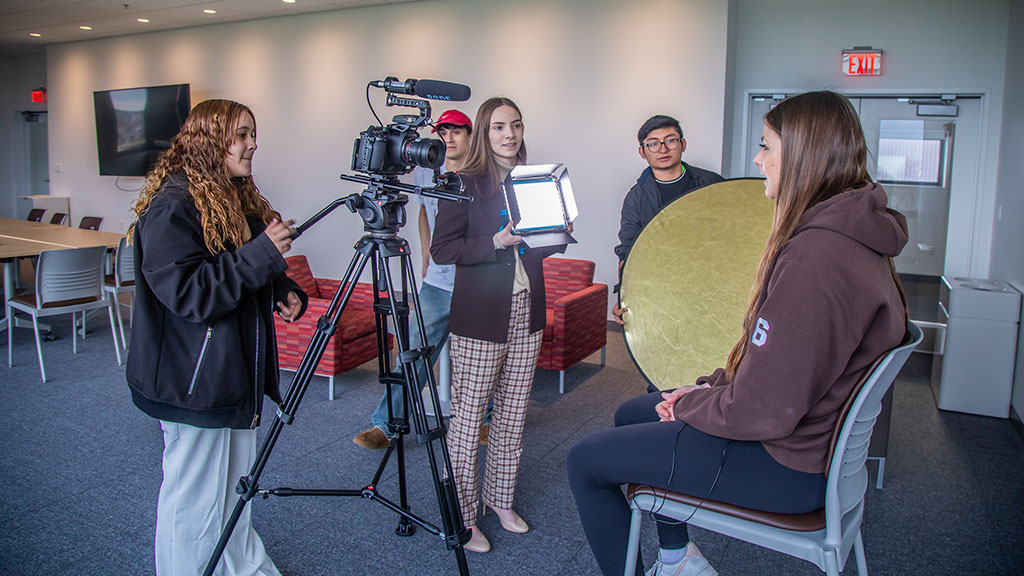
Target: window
{"type": "Point", "coordinates": [909, 154]}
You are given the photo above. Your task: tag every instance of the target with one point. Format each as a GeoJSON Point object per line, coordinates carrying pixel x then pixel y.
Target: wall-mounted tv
{"type": "Point", "coordinates": [133, 126]}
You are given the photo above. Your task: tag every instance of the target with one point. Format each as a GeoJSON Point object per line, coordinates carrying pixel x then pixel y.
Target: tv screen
{"type": "Point", "coordinates": [135, 125]}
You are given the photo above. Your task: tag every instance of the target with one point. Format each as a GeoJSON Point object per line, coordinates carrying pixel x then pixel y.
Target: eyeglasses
{"type": "Point", "coordinates": [670, 144]}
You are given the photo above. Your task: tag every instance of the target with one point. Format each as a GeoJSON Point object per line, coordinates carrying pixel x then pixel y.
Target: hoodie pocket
{"type": "Point", "coordinates": [199, 361]}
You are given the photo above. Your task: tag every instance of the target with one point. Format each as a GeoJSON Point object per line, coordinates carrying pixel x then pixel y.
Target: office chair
{"type": "Point", "coordinates": [120, 282]}
{"type": "Point", "coordinates": [68, 281]}
{"type": "Point", "coordinates": [90, 222]}
{"type": "Point", "coordinates": [823, 537]}
{"type": "Point", "coordinates": [36, 215]}
{"type": "Point", "coordinates": [59, 219]}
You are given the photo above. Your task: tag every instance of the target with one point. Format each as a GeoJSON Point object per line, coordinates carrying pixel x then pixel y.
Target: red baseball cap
{"type": "Point", "coordinates": [455, 118]}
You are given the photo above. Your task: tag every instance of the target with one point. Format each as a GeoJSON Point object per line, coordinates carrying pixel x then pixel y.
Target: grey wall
{"type": "Point", "coordinates": [930, 46]}
{"type": "Point", "coordinates": [1008, 234]}
{"type": "Point", "coordinates": [20, 75]}
{"type": "Point", "coordinates": [584, 73]}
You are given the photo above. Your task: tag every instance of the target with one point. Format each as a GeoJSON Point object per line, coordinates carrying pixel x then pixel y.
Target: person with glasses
{"type": "Point", "coordinates": [666, 178]}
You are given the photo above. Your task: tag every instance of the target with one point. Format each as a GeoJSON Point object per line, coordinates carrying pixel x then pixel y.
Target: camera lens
{"type": "Point", "coordinates": [424, 152]}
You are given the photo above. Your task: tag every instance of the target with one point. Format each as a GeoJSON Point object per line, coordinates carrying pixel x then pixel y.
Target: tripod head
{"type": "Point", "coordinates": [382, 204]}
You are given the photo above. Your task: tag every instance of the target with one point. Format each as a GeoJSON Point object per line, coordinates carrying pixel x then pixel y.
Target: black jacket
{"type": "Point", "coordinates": [203, 346]}
{"type": "Point", "coordinates": [643, 202]}
{"type": "Point", "coordinates": [482, 296]}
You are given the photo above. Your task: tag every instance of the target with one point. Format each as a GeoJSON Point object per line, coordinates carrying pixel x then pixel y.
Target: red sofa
{"type": "Point", "coordinates": [577, 315]}
{"type": "Point", "coordinates": [353, 344]}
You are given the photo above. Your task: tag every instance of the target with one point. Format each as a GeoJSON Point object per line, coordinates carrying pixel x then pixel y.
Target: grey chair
{"type": "Point", "coordinates": [36, 215]}
{"type": "Point", "coordinates": [823, 537]}
{"type": "Point", "coordinates": [59, 219]}
{"type": "Point", "coordinates": [120, 282]}
{"type": "Point", "coordinates": [67, 282]}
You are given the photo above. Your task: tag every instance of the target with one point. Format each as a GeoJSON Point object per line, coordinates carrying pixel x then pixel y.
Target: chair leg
{"type": "Point", "coordinates": [602, 354]}
{"type": "Point", "coordinates": [832, 562]}
{"type": "Point", "coordinates": [858, 552]}
{"type": "Point", "coordinates": [633, 546]}
{"type": "Point", "coordinates": [10, 336]}
{"type": "Point", "coordinates": [74, 333]}
{"type": "Point", "coordinates": [116, 305]}
{"type": "Point", "coordinates": [330, 387]}
{"type": "Point", "coordinates": [881, 473]}
{"type": "Point", "coordinates": [113, 334]}
{"type": "Point", "coordinates": [39, 347]}
{"type": "Point", "coordinates": [561, 381]}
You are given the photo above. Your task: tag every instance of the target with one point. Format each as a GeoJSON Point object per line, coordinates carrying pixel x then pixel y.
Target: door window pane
{"type": "Point", "coordinates": [906, 154]}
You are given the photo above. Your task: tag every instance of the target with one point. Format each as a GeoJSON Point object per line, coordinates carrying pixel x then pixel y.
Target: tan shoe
{"type": "Point", "coordinates": [478, 543]}
{"type": "Point", "coordinates": [510, 520]}
{"type": "Point", "coordinates": [373, 438]}
{"type": "Point", "coordinates": [485, 434]}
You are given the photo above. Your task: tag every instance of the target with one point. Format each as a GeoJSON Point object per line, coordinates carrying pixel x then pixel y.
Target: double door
{"type": "Point", "coordinates": [924, 151]}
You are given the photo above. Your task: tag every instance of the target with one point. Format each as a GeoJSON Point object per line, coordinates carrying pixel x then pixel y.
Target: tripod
{"type": "Point", "coordinates": [383, 213]}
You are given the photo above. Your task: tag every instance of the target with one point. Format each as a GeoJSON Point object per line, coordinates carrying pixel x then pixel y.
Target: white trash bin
{"type": "Point", "coordinates": [975, 372]}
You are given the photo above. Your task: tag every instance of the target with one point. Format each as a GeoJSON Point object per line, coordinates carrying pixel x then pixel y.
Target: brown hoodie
{"type": "Point", "coordinates": [829, 310]}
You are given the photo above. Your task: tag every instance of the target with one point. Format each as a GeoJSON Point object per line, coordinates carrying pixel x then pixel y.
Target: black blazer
{"type": "Point", "coordinates": [482, 297]}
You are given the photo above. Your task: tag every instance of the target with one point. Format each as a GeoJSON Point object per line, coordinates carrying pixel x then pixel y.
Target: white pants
{"type": "Point", "coordinates": [201, 469]}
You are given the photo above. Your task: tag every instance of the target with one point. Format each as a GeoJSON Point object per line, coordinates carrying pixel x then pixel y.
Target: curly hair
{"type": "Point", "coordinates": [199, 151]}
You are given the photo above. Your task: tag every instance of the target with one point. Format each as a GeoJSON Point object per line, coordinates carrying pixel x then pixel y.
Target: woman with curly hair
{"type": "Point", "coordinates": [209, 273]}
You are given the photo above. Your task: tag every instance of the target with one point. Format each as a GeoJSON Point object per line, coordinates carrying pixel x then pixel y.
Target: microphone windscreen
{"type": "Point", "coordinates": [440, 90]}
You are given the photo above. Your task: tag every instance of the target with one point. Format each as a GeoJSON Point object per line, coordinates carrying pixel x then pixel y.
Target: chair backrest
{"type": "Point", "coordinates": [90, 222]}
{"type": "Point", "coordinates": [59, 218]}
{"type": "Point", "coordinates": [564, 276]}
{"type": "Point", "coordinates": [124, 263]}
{"type": "Point", "coordinates": [72, 274]}
{"type": "Point", "coordinates": [36, 214]}
{"type": "Point", "coordinates": [847, 475]}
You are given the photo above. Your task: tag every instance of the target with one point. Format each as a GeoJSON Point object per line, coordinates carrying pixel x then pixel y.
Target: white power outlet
{"type": "Point", "coordinates": [58, 167]}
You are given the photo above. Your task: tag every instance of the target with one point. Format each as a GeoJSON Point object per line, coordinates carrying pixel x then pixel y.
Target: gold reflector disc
{"type": "Point", "coordinates": [689, 278]}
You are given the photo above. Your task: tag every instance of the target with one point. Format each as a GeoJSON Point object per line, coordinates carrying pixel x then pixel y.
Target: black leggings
{"type": "Point", "coordinates": [642, 450]}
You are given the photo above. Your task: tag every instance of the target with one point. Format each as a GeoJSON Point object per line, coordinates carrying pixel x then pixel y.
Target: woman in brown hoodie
{"type": "Point", "coordinates": [756, 433]}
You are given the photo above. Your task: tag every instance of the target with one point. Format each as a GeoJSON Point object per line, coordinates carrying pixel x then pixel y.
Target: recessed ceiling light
{"type": "Point", "coordinates": [288, 1]}
{"type": "Point", "coordinates": [35, 34]}
{"type": "Point", "coordinates": [209, 11]}
{"type": "Point", "coordinates": [86, 27]}
{"type": "Point", "coordinates": [143, 20]}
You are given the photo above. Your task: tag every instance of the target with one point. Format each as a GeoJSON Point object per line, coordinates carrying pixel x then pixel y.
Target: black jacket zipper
{"type": "Point", "coordinates": [199, 362]}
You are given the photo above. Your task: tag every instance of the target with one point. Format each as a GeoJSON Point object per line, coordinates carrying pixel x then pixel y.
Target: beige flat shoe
{"type": "Point", "coordinates": [514, 524]}
{"type": "Point", "coordinates": [478, 543]}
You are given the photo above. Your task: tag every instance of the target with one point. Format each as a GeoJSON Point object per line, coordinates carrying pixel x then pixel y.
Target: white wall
{"type": "Point", "coordinates": [930, 46]}
{"type": "Point", "coordinates": [1008, 235]}
{"type": "Point", "coordinates": [20, 75]}
{"type": "Point", "coordinates": [585, 73]}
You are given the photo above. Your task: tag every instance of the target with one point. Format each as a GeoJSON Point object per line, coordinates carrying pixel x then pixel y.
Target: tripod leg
{"type": "Point", "coordinates": [456, 533]}
{"type": "Point", "coordinates": [328, 323]}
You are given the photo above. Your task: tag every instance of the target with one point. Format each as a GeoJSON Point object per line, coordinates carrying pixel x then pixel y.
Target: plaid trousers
{"type": "Point", "coordinates": [481, 369]}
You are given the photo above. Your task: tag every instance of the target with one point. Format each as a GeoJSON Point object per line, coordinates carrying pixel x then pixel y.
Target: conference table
{"type": "Point", "coordinates": [22, 239]}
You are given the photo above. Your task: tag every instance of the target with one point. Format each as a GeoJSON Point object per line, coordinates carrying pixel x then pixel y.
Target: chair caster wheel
{"type": "Point", "coordinates": [49, 337]}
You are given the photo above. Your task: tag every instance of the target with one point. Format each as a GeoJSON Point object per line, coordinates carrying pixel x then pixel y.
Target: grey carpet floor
{"type": "Point", "coordinates": [80, 470]}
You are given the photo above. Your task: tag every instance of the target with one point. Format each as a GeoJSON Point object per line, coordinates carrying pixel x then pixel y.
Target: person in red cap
{"type": "Point", "coordinates": [454, 128]}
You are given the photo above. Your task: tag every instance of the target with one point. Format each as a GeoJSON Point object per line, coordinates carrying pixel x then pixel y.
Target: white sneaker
{"type": "Point", "coordinates": [693, 564]}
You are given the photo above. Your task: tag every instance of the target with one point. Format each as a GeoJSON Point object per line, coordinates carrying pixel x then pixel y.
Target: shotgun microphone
{"type": "Point", "coordinates": [432, 89]}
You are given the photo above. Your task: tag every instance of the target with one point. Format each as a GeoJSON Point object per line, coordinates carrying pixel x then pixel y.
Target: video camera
{"type": "Point", "coordinates": [396, 149]}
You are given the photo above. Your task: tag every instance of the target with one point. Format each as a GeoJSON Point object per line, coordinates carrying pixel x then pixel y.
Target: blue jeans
{"type": "Point", "coordinates": [435, 304]}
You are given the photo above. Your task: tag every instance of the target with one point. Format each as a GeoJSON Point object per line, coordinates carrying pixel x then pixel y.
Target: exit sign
{"type": "Point", "coordinates": [858, 62]}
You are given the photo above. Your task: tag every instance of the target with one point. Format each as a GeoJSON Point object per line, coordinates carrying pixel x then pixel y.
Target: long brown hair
{"type": "Point", "coordinates": [199, 150]}
{"type": "Point", "coordinates": [480, 160]}
{"type": "Point", "coordinates": [823, 154]}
